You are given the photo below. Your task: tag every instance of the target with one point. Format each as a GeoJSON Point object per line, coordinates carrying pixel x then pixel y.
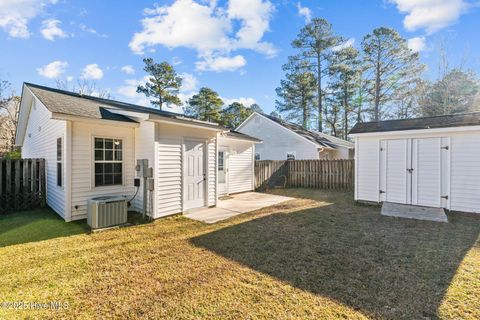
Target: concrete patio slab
{"type": "Point", "coordinates": [413, 212]}
{"type": "Point", "coordinates": [235, 205]}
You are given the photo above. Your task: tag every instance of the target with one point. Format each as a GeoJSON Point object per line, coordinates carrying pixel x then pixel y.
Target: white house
{"type": "Point", "coordinates": [430, 162]}
{"type": "Point", "coordinates": [91, 146]}
{"type": "Point", "coordinates": [284, 140]}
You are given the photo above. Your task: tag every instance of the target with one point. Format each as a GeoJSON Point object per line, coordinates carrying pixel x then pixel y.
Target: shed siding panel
{"type": "Point", "coordinates": [41, 142]}
{"type": "Point", "coordinates": [83, 187]}
{"type": "Point", "coordinates": [277, 141]}
{"type": "Point", "coordinates": [212, 171]}
{"type": "Point", "coordinates": [465, 173]}
{"type": "Point", "coordinates": [240, 165]}
{"type": "Point", "coordinates": [368, 164]}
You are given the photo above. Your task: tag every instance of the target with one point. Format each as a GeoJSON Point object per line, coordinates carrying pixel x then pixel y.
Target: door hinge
{"type": "Point", "coordinates": [446, 147]}
{"type": "Point", "coordinates": [410, 170]}
{"type": "Point", "coordinates": [381, 149]}
{"type": "Point", "coordinates": [444, 197]}
{"type": "Point", "coordinates": [381, 191]}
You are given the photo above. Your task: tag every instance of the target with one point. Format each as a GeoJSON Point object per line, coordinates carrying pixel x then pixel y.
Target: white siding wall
{"type": "Point", "coordinates": [240, 165]}
{"type": "Point", "coordinates": [83, 186]}
{"type": "Point", "coordinates": [144, 149]}
{"type": "Point", "coordinates": [212, 171]}
{"type": "Point", "coordinates": [465, 173]}
{"type": "Point", "coordinates": [340, 153]}
{"type": "Point", "coordinates": [41, 142]}
{"type": "Point", "coordinates": [169, 145]}
{"type": "Point", "coordinates": [277, 141]}
{"type": "Point", "coordinates": [367, 169]}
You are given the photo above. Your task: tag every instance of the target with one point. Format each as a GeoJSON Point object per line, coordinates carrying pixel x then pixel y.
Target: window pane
{"type": "Point", "coordinates": [98, 168]}
{"type": "Point", "coordinates": [108, 143]}
{"type": "Point", "coordinates": [98, 180]}
{"type": "Point", "coordinates": [99, 155]}
{"type": "Point", "coordinates": [108, 179]}
{"type": "Point", "coordinates": [117, 178]}
{"type": "Point", "coordinates": [108, 155]}
{"type": "Point", "coordinates": [59, 174]}
{"type": "Point", "coordinates": [59, 149]}
{"type": "Point", "coordinates": [118, 144]}
{"type": "Point", "coordinates": [98, 143]}
{"type": "Point", "coordinates": [118, 155]}
{"type": "Point", "coordinates": [108, 167]}
{"type": "Point", "coordinates": [117, 168]}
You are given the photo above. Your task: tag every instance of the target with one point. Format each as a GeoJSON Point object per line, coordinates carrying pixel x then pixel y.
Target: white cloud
{"type": "Point", "coordinates": [51, 29]}
{"type": "Point", "coordinates": [53, 69]}
{"type": "Point", "coordinates": [176, 61]}
{"type": "Point", "coordinates": [15, 15]}
{"type": "Point", "coordinates": [211, 30]}
{"type": "Point", "coordinates": [69, 78]}
{"type": "Point", "coordinates": [430, 15]}
{"type": "Point", "coordinates": [304, 12]}
{"type": "Point", "coordinates": [128, 69]}
{"type": "Point", "coordinates": [349, 43]}
{"type": "Point", "coordinates": [417, 44]}
{"type": "Point", "coordinates": [220, 64]}
{"type": "Point", "coordinates": [92, 71]}
{"type": "Point", "coordinates": [84, 28]}
{"type": "Point", "coordinates": [189, 82]}
{"type": "Point", "coordinates": [243, 100]}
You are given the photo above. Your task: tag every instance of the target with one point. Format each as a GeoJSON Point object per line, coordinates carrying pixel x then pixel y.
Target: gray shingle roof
{"type": "Point", "coordinates": [446, 121]}
{"type": "Point", "coordinates": [322, 139]}
{"type": "Point", "coordinates": [70, 103]}
{"type": "Point", "coordinates": [239, 135]}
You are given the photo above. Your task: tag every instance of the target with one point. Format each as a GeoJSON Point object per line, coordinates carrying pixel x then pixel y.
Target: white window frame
{"type": "Point", "coordinates": [259, 156]}
{"type": "Point", "coordinates": [291, 152]}
{"type": "Point", "coordinates": [93, 161]}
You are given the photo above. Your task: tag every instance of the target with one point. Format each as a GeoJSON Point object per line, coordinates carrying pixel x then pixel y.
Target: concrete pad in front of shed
{"type": "Point", "coordinates": [413, 212]}
{"type": "Point", "coordinates": [235, 205]}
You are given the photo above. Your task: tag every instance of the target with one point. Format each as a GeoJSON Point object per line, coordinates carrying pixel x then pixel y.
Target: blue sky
{"type": "Point", "coordinates": [236, 47]}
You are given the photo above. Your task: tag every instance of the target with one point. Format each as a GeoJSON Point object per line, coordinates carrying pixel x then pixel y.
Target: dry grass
{"type": "Point", "coordinates": [317, 257]}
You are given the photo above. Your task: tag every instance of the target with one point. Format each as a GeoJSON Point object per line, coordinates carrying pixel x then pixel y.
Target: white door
{"type": "Point", "coordinates": [426, 174]}
{"type": "Point", "coordinates": [395, 174]}
{"type": "Point", "coordinates": [222, 170]}
{"type": "Point", "coordinates": [194, 174]}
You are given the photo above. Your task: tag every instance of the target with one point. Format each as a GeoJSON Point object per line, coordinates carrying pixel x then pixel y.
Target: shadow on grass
{"type": "Point", "coordinates": [36, 225]}
{"type": "Point", "coordinates": [385, 267]}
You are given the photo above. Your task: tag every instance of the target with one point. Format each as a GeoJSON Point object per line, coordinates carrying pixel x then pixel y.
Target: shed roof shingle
{"type": "Point", "coordinates": [445, 121]}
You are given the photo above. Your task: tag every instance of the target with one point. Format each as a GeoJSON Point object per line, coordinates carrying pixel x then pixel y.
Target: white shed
{"type": "Point", "coordinates": [431, 162]}
{"type": "Point", "coordinates": [91, 146]}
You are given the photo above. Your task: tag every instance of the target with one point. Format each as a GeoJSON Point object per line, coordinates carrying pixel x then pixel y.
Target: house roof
{"type": "Point", "coordinates": [70, 103]}
{"type": "Point", "coordinates": [238, 135]}
{"type": "Point", "coordinates": [445, 121]}
{"type": "Point", "coordinates": [322, 139]}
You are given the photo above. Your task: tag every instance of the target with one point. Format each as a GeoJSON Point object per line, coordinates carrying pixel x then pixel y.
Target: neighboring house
{"type": "Point", "coordinates": [91, 146]}
{"type": "Point", "coordinates": [430, 162]}
{"type": "Point", "coordinates": [284, 140]}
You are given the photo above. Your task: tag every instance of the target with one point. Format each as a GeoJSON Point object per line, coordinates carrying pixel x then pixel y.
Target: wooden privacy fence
{"type": "Point", "coordinates": [319, 174]}
{"type": "Point", "coordinates": [22, 184]}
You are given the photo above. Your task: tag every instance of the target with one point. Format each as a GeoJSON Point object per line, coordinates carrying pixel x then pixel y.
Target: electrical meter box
{"type": "Point", "coordinates": [142, 168]}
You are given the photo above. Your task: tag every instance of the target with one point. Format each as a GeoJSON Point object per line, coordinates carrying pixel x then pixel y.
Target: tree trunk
{"type": "Point", "coordinates": [376, 108]}
{"type": "Point", "coordinates": [319, 92]}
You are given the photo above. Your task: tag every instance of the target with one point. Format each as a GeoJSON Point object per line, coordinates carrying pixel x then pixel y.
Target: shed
{"type": "Point", "coordinates": [431, 161]}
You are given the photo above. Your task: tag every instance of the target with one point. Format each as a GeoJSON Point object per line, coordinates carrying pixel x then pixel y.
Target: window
{"type": "Point", "coordinates": [221, 167]}
{"type": "Point", "coordinates": [291, 155]}
{"type": "Point", "coordinates": [59, 162]}
{"type": "Point", "coordinates": [257, 156]}
{"type": "Point", "coordinates": [108, 162]}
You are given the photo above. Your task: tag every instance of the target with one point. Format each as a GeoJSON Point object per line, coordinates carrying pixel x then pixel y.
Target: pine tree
{"type": "Point", "coordinates": [235, 114]}
{"type": "Point", "coordinates": [163, 83]}
{"type": "Point", "coordinates": [391, 68]}
{"type": "Point", "coordinates": [315, 42]}
{"type": "Point", "coordinates": [205, 105]}
{"type": "Point", "coordinates": [297, 93]}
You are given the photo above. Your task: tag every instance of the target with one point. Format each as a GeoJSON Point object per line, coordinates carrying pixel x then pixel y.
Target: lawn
{"type": "Point", "coordinates": [321, 256]}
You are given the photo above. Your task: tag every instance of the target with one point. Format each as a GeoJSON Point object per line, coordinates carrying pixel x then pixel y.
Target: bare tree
{"type": "Point", "coordinates": [9, 107]}
{"type": "Point", "coordinates": [83, 87]}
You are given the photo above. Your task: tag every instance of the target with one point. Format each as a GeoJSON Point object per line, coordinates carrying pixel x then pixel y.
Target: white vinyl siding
{"type": "Point", "coordinates": [144, 149]}
{"type": "Point", "coordinates": [240, 165]}
{"type": "Point", "coordinates": [367, 158]}
{"type": "Point", "coordinates": [211, 171]}
{"type": "Point", "coordinates": [396, 170]}
{"type": "Point", "coordinates": [465, 173]}
{"type": "Point", "coordinates": [41, 142]}
{"type": "Point", "coordinates": [83, 186]}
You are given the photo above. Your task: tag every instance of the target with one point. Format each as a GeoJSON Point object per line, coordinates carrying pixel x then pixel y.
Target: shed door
{"type": "Point", "coordinates": [194, 174]}
{"type": "Point", "coordinates": [395, 160]}
{"type": "Point", "coordinates": [426, 174]}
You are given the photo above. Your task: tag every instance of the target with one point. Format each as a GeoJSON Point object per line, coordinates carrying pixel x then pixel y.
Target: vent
{"type": "Point", "coordinates": [106, 212]}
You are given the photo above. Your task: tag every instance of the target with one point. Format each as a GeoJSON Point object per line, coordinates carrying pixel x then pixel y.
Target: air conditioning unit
{"type": "Point", "coordinates": [106, 211]}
